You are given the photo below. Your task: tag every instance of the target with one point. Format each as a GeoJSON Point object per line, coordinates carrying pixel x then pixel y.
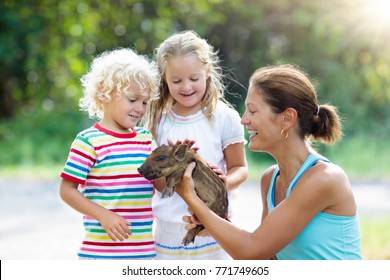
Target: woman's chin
{"type": "Point", "coordinates": [252, 146]}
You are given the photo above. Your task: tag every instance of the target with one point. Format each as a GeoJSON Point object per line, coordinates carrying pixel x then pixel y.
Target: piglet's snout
{"type": "Point", "coordinates": [141, 170]}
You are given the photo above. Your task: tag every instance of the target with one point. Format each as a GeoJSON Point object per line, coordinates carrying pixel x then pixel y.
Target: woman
{"type": "Point", "coordinates": [309, 211]}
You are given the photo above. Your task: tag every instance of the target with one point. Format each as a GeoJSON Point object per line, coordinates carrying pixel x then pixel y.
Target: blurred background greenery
{"type": "Point", "coordinates": [46, 46]}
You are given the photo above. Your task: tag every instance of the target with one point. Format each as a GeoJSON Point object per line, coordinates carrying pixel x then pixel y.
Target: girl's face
{"type": "Point", "coordinates": [125, 111]}
{"type": "Point", "coordinates": [261, 123]}
{"type": "Point", "coordinates": [186, 79]}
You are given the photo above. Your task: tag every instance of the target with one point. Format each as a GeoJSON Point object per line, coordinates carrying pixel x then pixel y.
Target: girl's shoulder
{"type": "Point", "coordinates": [224, 111]}
{"type": "Point", "coordinates": [222, 106]}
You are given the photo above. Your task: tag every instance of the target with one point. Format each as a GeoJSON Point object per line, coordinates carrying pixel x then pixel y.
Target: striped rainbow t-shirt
{"type": "Point", "coordinates": [104, 164]}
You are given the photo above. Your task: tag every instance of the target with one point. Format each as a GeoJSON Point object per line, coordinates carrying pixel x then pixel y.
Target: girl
{"type": "Point", "coordinates": [103, 160]}
{"type": "Point", "coordinates": [191, 106]}
{"type": "Point", "coordinates": [309, 210]}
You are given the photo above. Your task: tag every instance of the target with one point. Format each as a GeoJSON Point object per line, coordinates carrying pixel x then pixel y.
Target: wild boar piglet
{"type": "Point", "coordinates": [170, 162]}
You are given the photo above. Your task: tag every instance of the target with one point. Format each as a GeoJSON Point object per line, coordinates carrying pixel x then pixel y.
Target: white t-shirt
{"type": "Point", "coordinates": [211, 138]}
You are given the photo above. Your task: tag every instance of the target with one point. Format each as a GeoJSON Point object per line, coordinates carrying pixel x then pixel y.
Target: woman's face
{"type": "Point", "coordinates": [261, 123]}
{"type": "Point", "coordinates": [186, 79]}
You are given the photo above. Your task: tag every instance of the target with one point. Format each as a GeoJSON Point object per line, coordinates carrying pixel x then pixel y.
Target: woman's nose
{"type": "Point", "coordinates": [244, 120]}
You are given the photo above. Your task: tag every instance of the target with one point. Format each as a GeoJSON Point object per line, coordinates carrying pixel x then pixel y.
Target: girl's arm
{"type": "Point", "coordinates": [236, 165]}
{"type": "Point", "coordinates": [277, 229]}
{"type": "Point", "coordinates": [116, 227]}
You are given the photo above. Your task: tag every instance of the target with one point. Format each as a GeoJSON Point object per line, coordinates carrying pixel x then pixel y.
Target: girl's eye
{"type": "Point", "coordinates": [194, 79]}
{"type": "Point", "coordinates": [145, 102]}
{"type": "Point", "coordinates": [132, 100]}
{"type": "Point", "coordinates": [175, 82]}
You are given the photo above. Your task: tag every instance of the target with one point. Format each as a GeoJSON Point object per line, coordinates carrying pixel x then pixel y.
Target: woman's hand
{"type": "Point", "coordinates": [186, 188]}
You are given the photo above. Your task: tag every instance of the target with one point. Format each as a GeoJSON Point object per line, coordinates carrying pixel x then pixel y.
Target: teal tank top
{"type": "Point", "coordinates": [326, 237]}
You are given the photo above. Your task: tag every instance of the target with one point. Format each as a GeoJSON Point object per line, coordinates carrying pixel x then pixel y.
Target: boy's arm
{"type": "Point", "coordinates": [116, 227]}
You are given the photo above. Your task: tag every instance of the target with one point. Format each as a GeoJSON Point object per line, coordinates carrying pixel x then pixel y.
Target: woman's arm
{"type": "Point", "coordinates": [277, 229]}
{"type": "Point", "coordinates": [116, 227]}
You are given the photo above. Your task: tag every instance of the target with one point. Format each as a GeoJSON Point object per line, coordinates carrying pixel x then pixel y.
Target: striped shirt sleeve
{"type": "Point", "coordinates": [81, 159]}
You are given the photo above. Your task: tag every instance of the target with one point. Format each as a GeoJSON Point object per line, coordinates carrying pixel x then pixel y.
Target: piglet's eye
{"type": "Point", "coordinates": [160, 158]}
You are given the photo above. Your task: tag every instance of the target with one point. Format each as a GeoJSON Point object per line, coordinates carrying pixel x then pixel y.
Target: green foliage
{"type": "Point", "coordinates": [362, 156]}
{"type": "Point", "coordinates": [46, 46]}
{"type": "Point", "coordinates": [40, 138]}
{"type": "Point", "coordinates": [375, 238]}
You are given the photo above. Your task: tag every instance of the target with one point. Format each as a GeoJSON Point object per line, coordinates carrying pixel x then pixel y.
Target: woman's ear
{"type": "Point", "coordinates": [290, 116]}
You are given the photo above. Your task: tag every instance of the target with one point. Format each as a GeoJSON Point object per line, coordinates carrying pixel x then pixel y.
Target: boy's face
{"type": "Point", "coordinates": [125, 111]}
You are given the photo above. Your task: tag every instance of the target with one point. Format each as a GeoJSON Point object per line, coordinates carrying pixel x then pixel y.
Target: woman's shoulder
{"type": "Point", "coordinates": [267, 177]}
{"type": "Point", "coordinates": [327, 173]}
{"type": "Point", "coordinates": [329, 180]}
{"type": "Point", "coordinates": [328, 187]}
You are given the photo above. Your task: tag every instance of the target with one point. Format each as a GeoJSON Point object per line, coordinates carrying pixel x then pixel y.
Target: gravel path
{"type": "Point", "coordinates": [36, 224]}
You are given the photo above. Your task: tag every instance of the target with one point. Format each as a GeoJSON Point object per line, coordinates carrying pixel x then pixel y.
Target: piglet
{"type": "Point", "coordinates": [170, 162]}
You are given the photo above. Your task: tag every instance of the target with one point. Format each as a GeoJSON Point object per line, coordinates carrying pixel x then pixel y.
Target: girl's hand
{"type": "Point", "coordinates": [189, 142]}
{"type": "Point", "coordinates": [219, 172]}
{"type": "Point", "coordinates": [116, 227]}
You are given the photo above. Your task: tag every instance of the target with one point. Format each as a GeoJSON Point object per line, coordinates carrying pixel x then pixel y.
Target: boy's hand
{"type": "Point", "coordinates": [116, 227]}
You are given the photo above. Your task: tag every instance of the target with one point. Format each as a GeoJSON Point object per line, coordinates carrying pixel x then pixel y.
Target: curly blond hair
{"type": "Point", "coordinates": [114, 72]}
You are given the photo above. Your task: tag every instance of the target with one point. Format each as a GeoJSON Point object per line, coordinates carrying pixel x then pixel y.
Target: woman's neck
{"type": "Point", "coordinates": [291, 158]}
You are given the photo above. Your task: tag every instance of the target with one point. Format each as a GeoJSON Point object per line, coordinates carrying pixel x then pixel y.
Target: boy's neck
{"type": "Point", "coordinates": [113, 129]}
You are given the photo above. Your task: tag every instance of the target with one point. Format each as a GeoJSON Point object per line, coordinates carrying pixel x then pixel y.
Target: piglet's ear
{"type": "Point", "coordinates": [179, 152]}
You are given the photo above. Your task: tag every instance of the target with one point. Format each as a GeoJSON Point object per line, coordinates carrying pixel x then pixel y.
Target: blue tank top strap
{"type": "Point", "coordinates": [271, 191]}
{"type": "Point", "coordinates": [309, 162]}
